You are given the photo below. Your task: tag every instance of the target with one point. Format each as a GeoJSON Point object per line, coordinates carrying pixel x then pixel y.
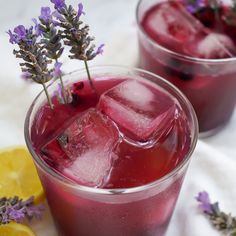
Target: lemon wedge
{"type": "Point", "coordinates": [14, 229]}
{"type": "Point", "coordinates": [18, 175]}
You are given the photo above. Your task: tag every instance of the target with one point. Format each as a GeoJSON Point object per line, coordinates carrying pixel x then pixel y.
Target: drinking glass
{"type": "Point", "coordinates": [138, 211]}
{"type": "Point", "coordinates": [209, 84]}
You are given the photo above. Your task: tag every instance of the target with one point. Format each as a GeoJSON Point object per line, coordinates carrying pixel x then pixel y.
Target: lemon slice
{"type": "Point", "coordinates": [14, 229]}
{"type": "Point", "coordinates": [18, 175]}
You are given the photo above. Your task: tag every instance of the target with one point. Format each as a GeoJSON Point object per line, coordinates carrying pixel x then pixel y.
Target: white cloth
{"type": "Point", "coordinates": [213, 164]}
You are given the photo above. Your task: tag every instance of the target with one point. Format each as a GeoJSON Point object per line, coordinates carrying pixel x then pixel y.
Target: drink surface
{"type": "Point", "coordinates": [127, 134]}
{"type": "Point", "coordinates": [201, 32]}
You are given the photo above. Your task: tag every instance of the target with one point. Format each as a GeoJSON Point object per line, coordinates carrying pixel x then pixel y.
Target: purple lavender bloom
{"type": "Point", "coordinates": [20, 30]}
{"type": "Point", "coordinates": [58, 16]}
{"type": "Point", "coordinates": [100, 49]}
{"type": "Point", "coordinates": [19, 34]}
{"type": "Point", "coordinates": [31, 210]}
{"type": "Point", "coordinates": [27, 77]}
{"type": "Point", "coordinates": [57, 70]}
{"type": "Point", "coordinates": [46, 15]}
{"type": "Point", "coordinates": [16, 209]}
{"type": "Point", "coordinates": [13, 37]}
{"type": "Point", "coordinates": [17, 215]}
{"type": "Point", "coordinates": [205, 203]}
{"type": "Point", "coordinates": [35, 211]}
{"type": "Point", "coordinates": [59, 4]}
{"type": "Point", "coordinates": [80, 10]}
{"type": "Point", "coordinates": [193, 6]}
{"type": "Point", "coordinates": [37, 29]}
{"type": "Point", "coordinates": [59, 93]}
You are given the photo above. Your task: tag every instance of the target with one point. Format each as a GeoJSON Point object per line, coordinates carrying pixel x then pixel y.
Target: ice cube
{"type": "Point", "coordinates": [172, 25]}
{"type": "Point", "coordinates": [85, 148]}
{"type": "Point", "coordinates": [142, 112]}
{"type": "Point", "coordinates": [215, 46]}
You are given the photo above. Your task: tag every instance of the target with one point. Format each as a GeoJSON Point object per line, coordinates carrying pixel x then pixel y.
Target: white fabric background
{"type": "Point", "coordinates": [213, 165]}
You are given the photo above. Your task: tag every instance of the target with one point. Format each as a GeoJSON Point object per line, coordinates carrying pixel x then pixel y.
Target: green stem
{"type": "Point", "coordinates": [48, 97]}
{"type": "Point", "coordinates": [89, 76]}
{"type": "Point", "coordinates": [62, 87]}
{"type": "Point", "coordinates": [63, 90]}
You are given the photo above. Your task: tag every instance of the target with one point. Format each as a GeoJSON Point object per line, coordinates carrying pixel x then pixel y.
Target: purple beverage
{"type": "Point", "coordinates": [110, 154]}
{"type": "Point", "coordinates": [193, 46]}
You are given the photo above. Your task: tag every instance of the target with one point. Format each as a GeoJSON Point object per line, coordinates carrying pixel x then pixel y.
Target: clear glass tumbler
{"type": "Point", "coordinates": [209, 84]}
{"type": "Point", "coordinates": [138, 211]}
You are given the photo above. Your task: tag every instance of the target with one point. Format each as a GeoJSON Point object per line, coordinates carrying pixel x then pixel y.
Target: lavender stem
{"type": "Point", "coordinates": [89, 76]}
{"type": "Point", "coordinates": [48, 97]}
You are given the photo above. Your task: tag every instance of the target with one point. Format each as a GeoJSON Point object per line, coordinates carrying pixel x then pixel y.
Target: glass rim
{"type": "Point", "coordinates": [70, 184]}
{"type": "Point", "coordinates": [176, 54]}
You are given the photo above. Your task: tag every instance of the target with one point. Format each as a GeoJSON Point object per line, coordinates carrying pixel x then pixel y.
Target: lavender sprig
{"type": "Point", "coordinates": [42, 44]}
{"type": "Point", "coordinates": [15, 209]}
{"type": "Point", "coordinates": [51, 40]}
{"type": "Point", "coordinates": [76, 34]}
{"type": "Point", "coordinates": [222, 221]}
{"type": "Point", "coordinates": [34, 56]}
{"type": "Point", "coordinates": [193, 6]}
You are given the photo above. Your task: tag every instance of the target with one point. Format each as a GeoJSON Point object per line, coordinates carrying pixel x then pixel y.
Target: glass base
{"type": "Point", "coordinates": [209, 133]}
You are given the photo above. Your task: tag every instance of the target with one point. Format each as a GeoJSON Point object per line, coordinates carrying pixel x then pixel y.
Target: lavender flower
{"type": "Point", "coordinates": [41, 44]}
{"type": "Point", "coordinates": [100, 49]}
{"type": "Point", "coordinates": [37, 28]}
{"type": "Point", "coordinates": [77, 37]}
{"type": "Point", "coordinates": [80, 10]}
{"type": "Point", "coordinates": [33, 54]}
{"type": "Point", "coordinates": [222, 221]}
{"type": "Point", "coordinates": [26, 76]}
{"type": "Point", "coordinates": [59, 4]}
{"type": "Point", "coordinates": [34, 211]}
{"type": "Point", "coordinates": [58, 16]}
{"type": "Point", "coordinates": [20, 34]}
{"type": "Point", "coordinates": [46, 15]}
{"type": "Point", "coordinates": [13, 38]}
{"type": "Point", "coordinates": [16, 209]}
{"type": "Point", "coordinates": [204, 200]}
{"type": "Point", "coordinates": [193, 6]}
{"type": "Point", "coordinates": [51, 38]}
{"type": "Point", "coordinates": [51, 41]}
{"type": "Point", "coordinates": [57, 70]}
{"type": "Point", "coordinates": [15, 214]}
